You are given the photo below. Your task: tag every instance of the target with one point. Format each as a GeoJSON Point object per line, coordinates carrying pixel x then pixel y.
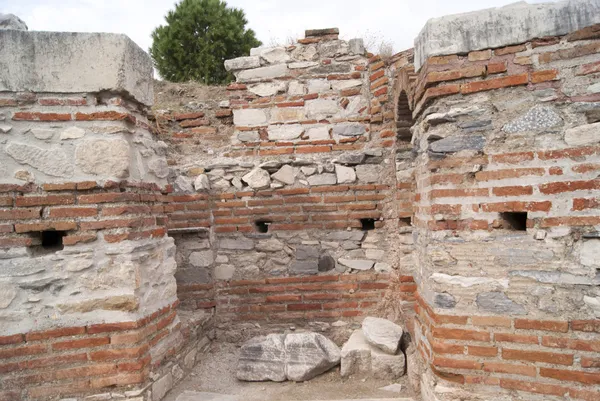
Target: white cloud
{"type": "Point", "coordinates": [274, 21]}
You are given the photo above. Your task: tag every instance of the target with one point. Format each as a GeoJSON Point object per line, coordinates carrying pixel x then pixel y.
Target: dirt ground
{"type": "Point", "coordinates": [179, 96]}
{"type": "Point", "coordinates": [216, 374]}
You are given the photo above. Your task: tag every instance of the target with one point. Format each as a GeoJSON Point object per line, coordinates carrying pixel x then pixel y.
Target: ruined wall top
{"type": "Point", "coordinates": [497, 27]}
{"type": "Point", "coordinates": [64, 62]}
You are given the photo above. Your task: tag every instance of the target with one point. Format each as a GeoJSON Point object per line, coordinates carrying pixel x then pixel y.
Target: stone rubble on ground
{"type": "Point", "coordinates": [373, 351]}
{"type": "Point", "coordinates": [278, 357]}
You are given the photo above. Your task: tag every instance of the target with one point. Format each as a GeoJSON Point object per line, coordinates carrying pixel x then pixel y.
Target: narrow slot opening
{"type": "Point", "coordinates": [405, 221]}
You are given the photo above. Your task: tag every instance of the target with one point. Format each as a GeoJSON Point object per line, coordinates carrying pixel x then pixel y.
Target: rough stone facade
{"type": "Point", "coordinates": [452, 188]}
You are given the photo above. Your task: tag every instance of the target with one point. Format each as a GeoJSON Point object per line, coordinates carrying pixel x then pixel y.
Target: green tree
{"type": "Point", "coordinates": [198, 37]}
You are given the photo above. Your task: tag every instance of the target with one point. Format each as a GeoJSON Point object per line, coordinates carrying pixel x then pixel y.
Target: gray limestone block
{"type": "Point", "coordinates": [498, 303]}
{"type": "Point", "coordinates": [386, 366]}
{"type": "Point", "coordinates": [457, 143]}
{"type": "Point", "coordinates": [242, 63]}
{"type": "Point", "coordinates": [74, 63]}
{"type": "Point", "coordinates": [326, 263]}
{"type": "Point", "coordinates": [444, 300]}
{"type": "Point", "coordinates": [277, 357]}
{"type": "Point", "coordinates": [305, 267]}
{"type": "Point", "coordinates": [262, 358]}
{"type": "Point", "coordinates": [306, 252]}
{"type": "Point", "coordinates": [322, 179]}
{"type": "Point", "coordinates": [53, 162]}
{"type": "Point", "coordinates": [356, 46]}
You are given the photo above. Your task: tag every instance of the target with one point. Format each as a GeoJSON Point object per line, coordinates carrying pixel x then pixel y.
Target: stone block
{"type": "Point", "coordinates": [257, 179]}
{"type": "Point", "coordinates": [357, 264]}
{"type": "Point", "coordinates": [350, 129]}
{"type": "Point", "coordinates": [202, 259]}
{"type": "Point", "coordinates": [318, 133]}
{"type": "Point", "coordinates": [368, 173]}
{"type": "Point", "coordinates": [285, 132]}
{"type": "Point", "coordinates": [11, 21]}
{"type": "Point", "coordinates": [270, 72]}
{"type": "Point", "coordinates": [53, 162]}
{"type": "Point", "coordinates": [457, 143]}
{"type": "Point", "coordinates": [583, 135]}
{"type": "Point", "coordinates": [498, 303]}
{"type": "Point", "coordinates": [356, 46]}
{"type": "Point", "coordinates": [322, 179]}
{"type": "Point", "coordinates": [305, 267]}
{"type": "Point", "coordinates": [382, 334]}
{"type": "Point", "coordinates": [321, 108]}
{"type": "Point", "coordinates": [267, 88]}
{"type": "Point", "coordinates": [285, 175]}
{"type": "Point", "coordinates": [489, 29]}
{"type": "Point", "coordinates": [74, 63]}
{"type": "Point", "coordinates": [242, 63]}
{"type": "Point", "coordinates": [241, 243]}
{"type": "Point", "coordinates": [249, 117]}
{"type": "Point", "coordinates": [345, 175]}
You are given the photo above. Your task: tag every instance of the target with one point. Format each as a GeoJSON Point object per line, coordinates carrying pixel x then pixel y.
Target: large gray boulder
{"type": "Point", "coordinates": [11, 21]}
{"type": "Point", "coordinates": [277, 357]}
{"type": "Point", "coordinates": [382, 334]}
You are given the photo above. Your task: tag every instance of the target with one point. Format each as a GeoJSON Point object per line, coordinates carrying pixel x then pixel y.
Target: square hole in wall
{"type": "Point", "coordinates": [367, 224]}
{"type": "Point", "coordinates": [514, 221]}
{"type": "Point", "coordinates": [405, 221]}
{"type": "Point", "coordinates": [262, 226]}
{"type": "Point", "coordinates": [50, 242]}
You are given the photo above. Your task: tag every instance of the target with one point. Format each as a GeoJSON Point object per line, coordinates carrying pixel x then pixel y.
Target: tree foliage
{"type": "Point", "coordinates": [198, 37]}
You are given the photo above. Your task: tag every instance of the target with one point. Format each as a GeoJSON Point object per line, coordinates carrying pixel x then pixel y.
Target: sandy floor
{"type": "Point", "coordinates": [216, 374]}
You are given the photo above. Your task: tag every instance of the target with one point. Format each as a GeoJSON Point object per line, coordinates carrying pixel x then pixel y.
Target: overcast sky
{"type": "Point", "coordinates": [394, 21]}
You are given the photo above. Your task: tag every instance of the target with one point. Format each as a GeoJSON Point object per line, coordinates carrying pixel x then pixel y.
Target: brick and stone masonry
{"type": "Point", "coordinates": [452, 187]}
{"type": "Point", "coordinates": [88, 297]}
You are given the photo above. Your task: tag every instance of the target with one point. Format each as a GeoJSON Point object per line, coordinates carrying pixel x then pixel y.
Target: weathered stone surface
{"type": "Point", "coordinates": [54, 162]}
{"type": "Point", "coordinates": [11, 21]}
{"type": "Point", "coordinates": [305, 252]}
{"type": "Point", "coordinates": [457, 143]}
{"type": "Point", "coordinates": [202, 259]}
{"type": "Point", "coordinates": [114, 62]}
{"type": "Point", "coordinates": [287, 114]}
{"type": "Point", "coordinates": [356, 356]}
{"type": "Point", "coordinates": [248, 136]}
{"type": "Point", "coordinates": [269, 245]}
{"type": "Point", "coordinates": [345, 236]}
{"type": "Point", "coordinates": [242, 63]}
{"type": "Point", "coordinates": [224, 272]}
{"type": "Point", "coordinates": [322, 179]}
{"type": "Point", "coordinates": [466, 282]}
{"type": "Point", "coordinates": [310, 266]}
{"type": "Point", "coordinates": [277, 357]}
{"type": "Point", "coordinates": [382, 334]}
{"type": "Point", "coordinates": [296, 88]}
{"type": "Point", "coordinates": [161, 387]}
{"type": "Point", "coordinates": [257, 179]}
{"type": "Point", "coordinates": [5, 128]}
{"type": "Point", "coordinates": [241, 243]}
{"type": "Point", "coordinates": [105, 157]}
{"type": "Point", "coordinates": [308, 355]}
{"type": "Point", "coordinates": [183, 184]}
{"type": "Point", "coordinates": [536, 119]}
{"type": "Point", "coordinates": [351, 159]}
{"type": "Point", "coordinates": [346, 84]}
{"type": "Point", "coordinates": [326, 263]}
{"type": "Point", "coordinates": [318, 133]}
{"type": "Point", "coordinates": [273, 55]}
{"type": "Point", "coordinates": [344, 174]}
{"type": "Point", "coordinates": [267, 88]}
{"type": "Point", "coordinates": [302, 64]}
{"type": "Point", "coordinates": [72, 133]}
{"type": "Point", "coordinates": [24, 175]}
{"type": "Point", "coordinates": [488, 28]}
{"type": "Point", "coordinates": [159, 167]}
{"type": "Point", "coordinates": [333, 48]}
{"type": "Point", "coordinates": [285, 132]}
{"type": "Point", "coordinates": [285, 175]}
{"type": "Point", "coordinates": [42, 134]}
{"type": "Point", "coordinates": [272, 71]}
{"type": "Point", "coordinates": [357, 264]}
{"type": "Point", "coordinates": [368, 173]}
{"type": "Point", "coordinates": [350, 129]}
{"type": "Point", "coordinates": [583, 135]}
{"type": "Point", "coordinates": [386, 366]}
{"type": "Point", "coordinates": [202, 183]}
{"type": "Point", "coordinates": [249, 117]}
{"type": "Point", "coordinates": [356, 46]}
{"type": "Point", "coordinates": [589, 253]}
{"type": "Point", "coordinates": [321, 108]}
{"type": "Point", "coordinates": [319, 86]}
{"type": "Point", "coordinates": [7, 294]}
{"type": "Point", "coordinates": [498, 303]}
{"type": "Point", "coordinates": [444, 300]}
